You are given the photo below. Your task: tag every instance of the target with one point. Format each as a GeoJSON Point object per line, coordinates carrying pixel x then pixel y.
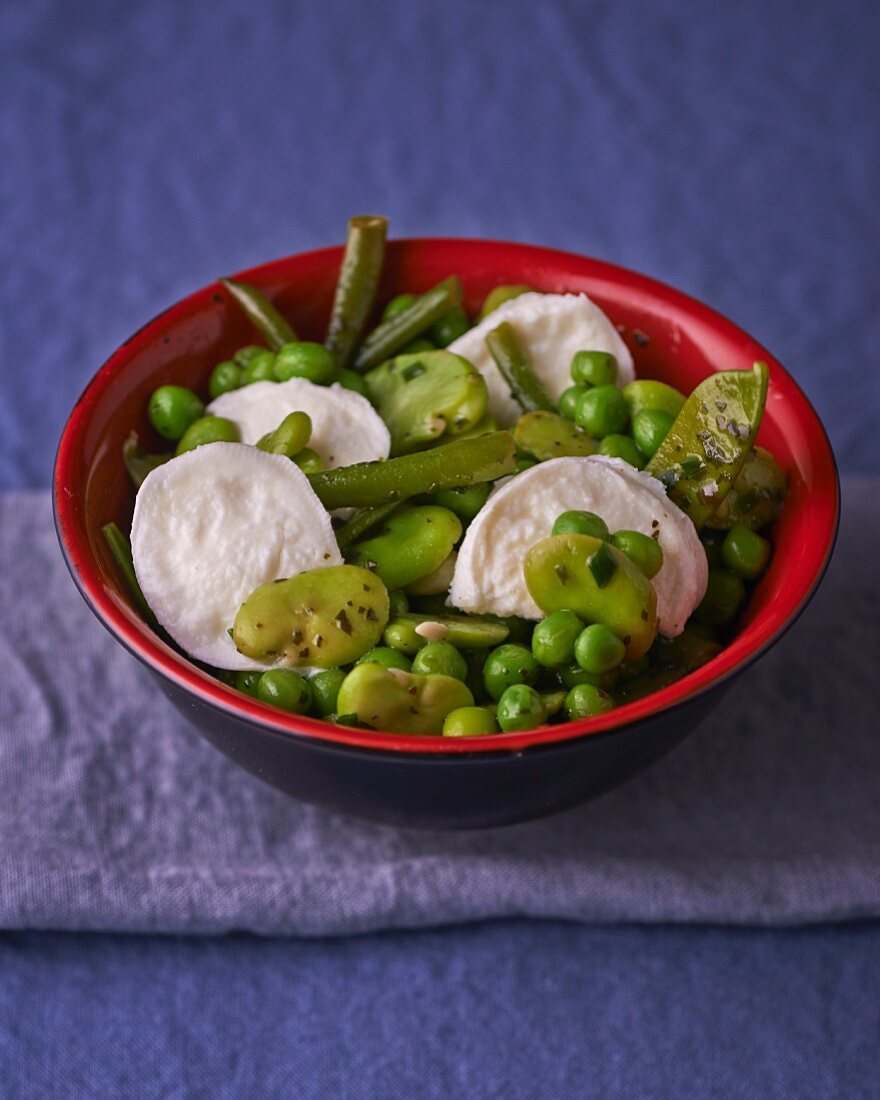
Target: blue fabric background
{"type": "Point", "coordinates": [731, 150]}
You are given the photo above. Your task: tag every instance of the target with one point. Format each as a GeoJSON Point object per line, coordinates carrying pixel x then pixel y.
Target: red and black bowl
{"type": "Point", "coordinates": [436, 782]}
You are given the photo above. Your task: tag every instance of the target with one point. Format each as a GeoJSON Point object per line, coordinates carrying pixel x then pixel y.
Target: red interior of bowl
{"type": "Point", "coordinates": [670, 335]}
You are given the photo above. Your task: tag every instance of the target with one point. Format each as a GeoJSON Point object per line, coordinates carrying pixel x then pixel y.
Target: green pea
{"type": "Point", "coordinates": [387, 657]}
{"type": "Point", "coordinates": [745, 552]}
{"type": "Point", "coordinates": [645, 393]}
{"type": "Point", "coordinates": [244, 355]}
{"type": "Point", "coordinates": [325, 690]}
{"type": "Point", "coordinates": [520, 708]}
{"type": "Point", "coordinates": [725, 595]}
{"type": "Point", "coordinates": [464, 502]}
{"type": "Point", "coordinates": [601, 411]}
{"type": "Point", "coordinates": [586, 701]}
{"type": "Point", "coordinates": [401, 635]}
{"type": "Point", "coordinates": [621, 446]}
{"type": "Point", "coordinates": [643, 551]}
{"type": "Point", "coordinates": [508, 665]}
{"type": "Point", "coordinates": [246, 682]}
{"type": "Point", "coordinates": [309, 461]}
{"type": "Point", "coordinates": [567, 403]}
{"type": "Point", "coordinates": [598, 649]}
{"type": "Point", "coordinates": [442, 658]}
{"type": "Point", "coordinates": [594, 368]}
{"type": "Point", "coordinates": [304, 359]}
{"type": "Point", "coordinates": [498, 295]}
{"type": "Point", "coordinates": [451, 325]}
{"type": "Point", "coordinates": [289, 438]}
{"type": "Point", "coordinates": [225, 378]}
{"type": "Point", "coordinates": [554, 638]}
{"type": "Point", "coordinates": [469, 722]}
{"type": "Point", "coordinates": [172, 409]}
{"type": "Point", "coordinates": [398, 305]}
{"type": "Point", "coordinates": [576, 522]}
{"type": "Point", "coordinates": [209, 429]}
{"type": "Point", "coordinates": [649, 428]}
{"type": "Point", "coordinates": [259, 368]}
{"type": "Point", "coordinates": [349, 380]}
{"type": "Point", "coordinates": [398, 604]}
{"type": "Point", "coordinates": [284, 688]}
{"type": "Point", "coordinates": [572, 675]}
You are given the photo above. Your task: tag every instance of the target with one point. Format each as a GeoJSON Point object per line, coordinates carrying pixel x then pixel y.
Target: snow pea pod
{"type": "Point", "coordinates": [321, 618]}
{"type": "Point", "coordinates": [546, 435]}
{"type": "Point", "coordinates": [396, 331]}
{"type": "Point", "coordinates": [464, 462]}
{"type": "Point", "coordinates": [516, 370]}
{"type": "Point", "coordinates": [391, 699]}
{"type": "Point", "coordinates": [356, 286]}
{"type": "Point", "coordinates": [137, 462]}
{"type": "Point", "coordinates": [411, 544]}
{"type": "Point", "coordinates": [710, 440]}
{"type": "Point", "coordinates": [598, 583]}
{"type": "Point", "coordinates": [426, 395]}
{"type": "Point", "coordinates": [265, 318]}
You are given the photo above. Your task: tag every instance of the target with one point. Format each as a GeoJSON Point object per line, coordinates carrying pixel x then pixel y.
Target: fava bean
{"type": "Point", "coordinates": [209, 429]}
{"type": "Point", "coordinates": [260, 368]}
{"type": "Point", "coordinates": [289, 438]}
{"type": "Point", "coordinates": [498, 295]}
{"type": "Point", "coordinates": [546, 435]}
{"type": "Point", "coordinates": [596, 581]}
{"type": "Point", "coordinates": [386, 657]}
{"type": "Point", "coordinates": [390, 699]}
{"type": "Point", "coordinates": [224, 378]}
{"type": "Point", "coordinates": [321, 617]}
{"type": "Point", "coordinates": [410, 544]}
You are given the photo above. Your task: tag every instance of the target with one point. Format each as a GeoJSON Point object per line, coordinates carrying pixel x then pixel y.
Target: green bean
{"type": "Point", "coordinates": [464, 462]}
{"type": "Point", "coordinates": [363, 522]}
{"type": "Point", "coordinates": [710, 440]}
{"type": "Point", "coordinates": [391, 335]}
{"type": "Point", "coordinates": [516, 370]}
{"type": "Point", "coordinates": [356, 286]}
{"type": "Point", "coordinates": [120, 548]}
{"type": "Point", "coordinates": [411, 631]}
{"type": "Point", "coordinates": [265, 318]}
{"type": "Point", "coordinates": [137, 462]}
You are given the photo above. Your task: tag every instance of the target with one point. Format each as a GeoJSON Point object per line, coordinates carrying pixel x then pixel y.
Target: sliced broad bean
{"type": "Point", "coordinates": [546, 435]}
{"type": "Point", "coordinates": [596, 581]}
{"type": "Point", "coordinates": [321, 618]}
{"type": "Point", "coordinates": [756, 496]}
{"type": "Point", "coordinates": [426, 395]}
{"type": "Point", "coordinates": [410, 544]}
{"type": "Point", "coordinates": [391, 699]}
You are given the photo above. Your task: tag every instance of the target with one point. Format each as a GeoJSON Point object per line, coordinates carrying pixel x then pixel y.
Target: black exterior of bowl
{"type": "Point", "coordinates": [472, 791]}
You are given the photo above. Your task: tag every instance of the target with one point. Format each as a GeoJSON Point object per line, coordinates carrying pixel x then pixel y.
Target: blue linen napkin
{"type": "Point", "coordinates": [114, 814]}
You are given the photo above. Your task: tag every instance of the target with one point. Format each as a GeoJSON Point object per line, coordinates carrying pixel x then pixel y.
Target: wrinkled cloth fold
{"type": "Point", "coordinates": [116, 815]}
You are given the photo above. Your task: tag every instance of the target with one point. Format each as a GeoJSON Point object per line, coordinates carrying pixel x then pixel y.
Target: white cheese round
{"type": "Point", "coordinates": [345, 426]}
{"type": "Point", "coordinates": [489, 570]}
{"type": "Point", "coordinates": [211, 526]}
{"type": "Point", "coordinates": [550, 328]}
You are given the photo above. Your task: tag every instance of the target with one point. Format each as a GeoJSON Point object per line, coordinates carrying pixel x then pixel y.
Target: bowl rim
{"type": "Point", "coordinates": [139, 640]}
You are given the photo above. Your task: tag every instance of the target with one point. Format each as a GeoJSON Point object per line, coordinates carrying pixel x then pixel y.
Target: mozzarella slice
{"type": "Point", "coordinates": [489, 570]}
{"type": "Point", "coordinates": [550, 328]}
{"type": "Point", "coordinates": [212, 525]}
{"type": "Point", "coordinates": [345, 426]}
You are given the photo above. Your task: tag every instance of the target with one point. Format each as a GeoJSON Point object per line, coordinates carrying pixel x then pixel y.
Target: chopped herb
{"type": "Point", "coordinates": [602, 565]}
